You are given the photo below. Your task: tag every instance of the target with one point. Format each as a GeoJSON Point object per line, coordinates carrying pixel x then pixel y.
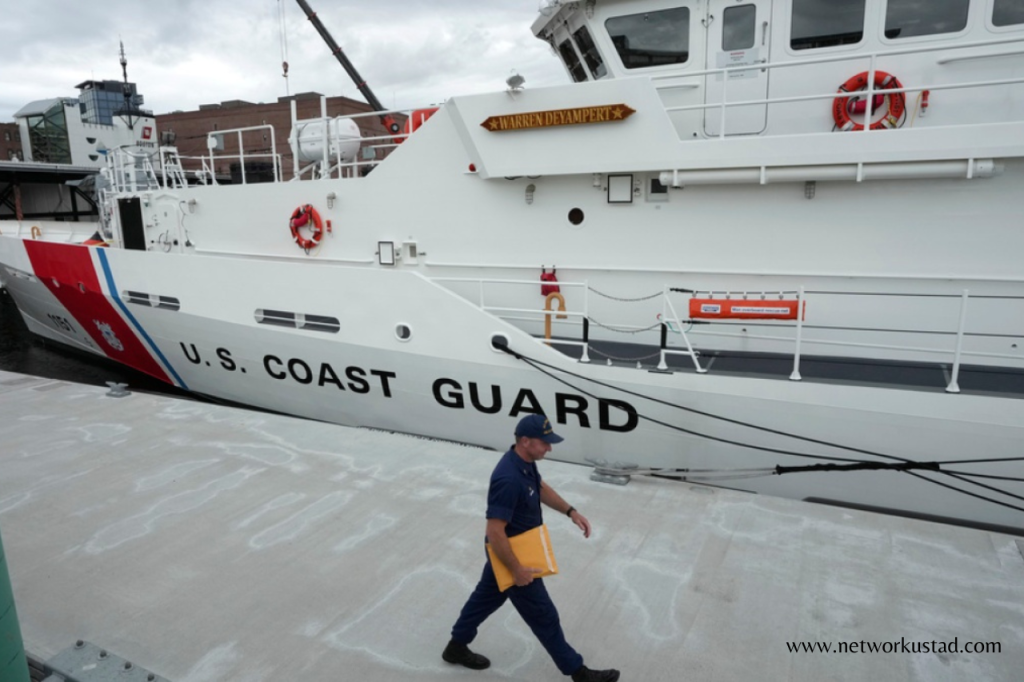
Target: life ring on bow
{"type": "Point", "coordinates": [306, 216]}
{"type": "Point", "coordinates": [845, 105]}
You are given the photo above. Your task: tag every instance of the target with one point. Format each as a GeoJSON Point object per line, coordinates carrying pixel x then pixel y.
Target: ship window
{"type": "Point", "coordinates": [141, 298]}
{"type": "Point", "coordinates": [572, 62]}
{"type": "Point", "coordinates": [739, 27]}
{"type": "Point", "coordinates": [910, 18]}
{"type": "Point", "coordinates": [1008, 12]}
{"type": "Point", "coordinates": [826, 23]}
{"type": "Point", "coordinates": [284, 318]}
{"type": "Point", "coordinates": [651, 38]}
{"type": "Point", "coordinates": [591, 56]}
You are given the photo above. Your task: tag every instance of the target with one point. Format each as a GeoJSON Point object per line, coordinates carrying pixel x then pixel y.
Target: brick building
{"type": "Point", "coordinates": [189, 130]}
{"type": "Point", "coordinates": [10, 142]}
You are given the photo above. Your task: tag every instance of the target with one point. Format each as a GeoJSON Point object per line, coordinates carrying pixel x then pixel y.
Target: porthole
{"type": "Point", "coordinates": [403, 332]}
{"type": "Point", "coordinates": [576, 216]}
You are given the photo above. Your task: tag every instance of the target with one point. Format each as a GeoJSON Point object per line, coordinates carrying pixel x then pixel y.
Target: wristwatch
{"type": "Point", "coordinates": [570, 511]}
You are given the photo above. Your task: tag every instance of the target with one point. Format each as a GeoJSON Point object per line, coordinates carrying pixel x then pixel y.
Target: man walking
{"type": "Point", "coordinates": [513, 507]}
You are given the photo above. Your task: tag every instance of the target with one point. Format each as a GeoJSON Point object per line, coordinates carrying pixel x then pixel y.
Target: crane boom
{"type": "Point", "coordinates": [388, 121]}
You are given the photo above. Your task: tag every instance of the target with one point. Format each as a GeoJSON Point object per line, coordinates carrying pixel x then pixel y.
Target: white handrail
{"type": "Point", "coordinates": [511, 312]}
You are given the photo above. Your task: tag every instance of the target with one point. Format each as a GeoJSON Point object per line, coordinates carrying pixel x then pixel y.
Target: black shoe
{"type": "Point", "coordinates": [585, 674]}
{"type": "Point", "coordinates": [460, 654]}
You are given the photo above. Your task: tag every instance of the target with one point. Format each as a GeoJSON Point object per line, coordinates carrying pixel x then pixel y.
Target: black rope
{"type": "Point", "coordinates": [987, 487]}
{"type": "Point", "coordinates": [860, 466]}
{"type": "Point", "coordinates": [935, 466]}
{"type": "Point", "coordinates": [693, 410]}
{"type": "Point", "coordinates": [966, 492]}
{"type": "Point", "coordinates": [983, 461]}
{"type": "Point", "coordinates": [992, 476]}
{"type": "Point", "coordinates": [681, 429]}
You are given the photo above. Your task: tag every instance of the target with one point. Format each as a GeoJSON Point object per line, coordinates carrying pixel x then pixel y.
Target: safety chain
{"type": "Point", "coordinates": [625, 300]}
{"type": "Point", "coordinates": [626, 331]}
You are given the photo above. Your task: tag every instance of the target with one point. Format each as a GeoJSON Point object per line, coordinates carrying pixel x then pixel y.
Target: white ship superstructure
{"type": "Point", "coordinates": [852, 177]}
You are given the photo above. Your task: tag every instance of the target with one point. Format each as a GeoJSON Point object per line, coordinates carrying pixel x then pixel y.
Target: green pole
{"type": "Point", "coordinates": [13, 666]}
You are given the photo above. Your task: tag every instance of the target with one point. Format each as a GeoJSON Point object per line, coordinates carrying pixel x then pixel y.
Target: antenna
{"type": "Point", "coordinates": [126, 90]}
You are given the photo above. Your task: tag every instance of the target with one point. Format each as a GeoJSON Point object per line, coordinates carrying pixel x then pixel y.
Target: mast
{"type": "Point", "coordinates": [126, 90]}
{"type": "Point", "coordinates": [386, 119]}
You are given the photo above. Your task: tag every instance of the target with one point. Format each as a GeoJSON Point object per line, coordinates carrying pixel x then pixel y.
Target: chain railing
{"type": "Point", "coordinates": [502, 297]}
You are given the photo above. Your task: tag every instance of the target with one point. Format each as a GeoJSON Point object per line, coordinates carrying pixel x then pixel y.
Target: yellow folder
{"type": "Point", "coordinates": [533, 549]}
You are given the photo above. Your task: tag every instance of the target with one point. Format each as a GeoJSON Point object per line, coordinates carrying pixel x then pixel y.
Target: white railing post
{"type": "Point", "coordinates": [795, 376]}
{"type": "Point", "coordinates": [241, 156]}
{"type": "Point", "coordinates": [662, 362]}
{"type": "Point", "coordinates": [954, 387]}
{"type": "Point", "coordinates": [725, 85]}
{"type": "Point", "coordinates": [585, 356]}
{"type": "Point", "coordinates": [295, 142]}
{"type": "Point", "coordinates": [326, 137]}
{"type": "Point", "coordinates": [870, 95]}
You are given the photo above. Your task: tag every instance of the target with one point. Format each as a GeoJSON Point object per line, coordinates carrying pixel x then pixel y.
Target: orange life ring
{"type": "Point", "coordinates": [306, 216]}
{"type": "Point", "coordinates": [883, 81]}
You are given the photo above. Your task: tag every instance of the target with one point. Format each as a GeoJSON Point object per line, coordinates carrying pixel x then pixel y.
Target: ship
{"type": "Point", "coordinates": [768, 245]}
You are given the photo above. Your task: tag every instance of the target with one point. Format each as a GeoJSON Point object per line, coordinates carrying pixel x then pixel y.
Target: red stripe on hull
{"type": "Point", "coordinates": [68, 272]}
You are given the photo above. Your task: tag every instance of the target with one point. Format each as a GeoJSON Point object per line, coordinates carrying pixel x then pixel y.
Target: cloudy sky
{"type": "Point", "coordinates": [183, 53]}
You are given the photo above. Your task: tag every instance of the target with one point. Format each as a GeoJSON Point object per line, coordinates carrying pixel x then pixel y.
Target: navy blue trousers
{"type": "Point", "coordinates": [533, 604]}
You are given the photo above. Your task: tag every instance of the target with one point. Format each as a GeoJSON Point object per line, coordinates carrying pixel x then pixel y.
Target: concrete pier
{"type": "Point", "coordinates": [210, 544]}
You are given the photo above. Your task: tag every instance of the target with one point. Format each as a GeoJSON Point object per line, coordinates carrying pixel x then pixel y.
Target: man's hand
{"type": "Point", "coordinates": [581, 521]}
{"type": "Point", "coordinates": [524, 575]}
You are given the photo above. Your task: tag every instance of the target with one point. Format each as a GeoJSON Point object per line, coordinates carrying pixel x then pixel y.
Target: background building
{"type": "Point", "coordinates": [79, 131]}
{"type": "Point", "coordinates": [10, 143]}
{"type": "Point", "coordinates": [100, 100]}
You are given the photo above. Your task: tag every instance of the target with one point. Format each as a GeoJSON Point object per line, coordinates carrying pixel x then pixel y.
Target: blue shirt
{"type": "Point", "coordinates": [514, 494]}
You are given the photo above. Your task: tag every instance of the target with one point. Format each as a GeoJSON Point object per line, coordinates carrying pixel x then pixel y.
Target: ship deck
{"type": "Point", "coordinates": [207, 543]}
{"type": "Point", "coordinates": [1003, 382]}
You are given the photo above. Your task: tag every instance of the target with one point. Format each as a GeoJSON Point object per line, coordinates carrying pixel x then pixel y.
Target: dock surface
{"type": "Point", "coordinates": [214, 544]}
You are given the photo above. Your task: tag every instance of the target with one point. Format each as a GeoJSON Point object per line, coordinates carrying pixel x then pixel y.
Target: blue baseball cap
{"type": "Point", "coordinates": [537, 426]}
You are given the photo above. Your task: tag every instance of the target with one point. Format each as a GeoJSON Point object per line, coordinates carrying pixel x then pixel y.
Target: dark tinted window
{"type": "Point", "coordinates": [651, 38]}
{"type": "Point", "coordinates": [826, 23]}
{"type": "Point", "coordinates": [739, 29]}
{"type": "Point", "coordinates": [909, 18]}
{"type": "Point", "coordinates": [589, 51]}
{"type": "Point", "coordinates": [1008, 12]}
{"type": "Point", "coordinates": [572, 62]}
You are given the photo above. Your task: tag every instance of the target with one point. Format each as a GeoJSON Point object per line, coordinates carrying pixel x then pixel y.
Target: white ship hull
{"type": "Point", "coordinates": [901, 248]}
{"type": "Point", "coordinates": [468, 392]}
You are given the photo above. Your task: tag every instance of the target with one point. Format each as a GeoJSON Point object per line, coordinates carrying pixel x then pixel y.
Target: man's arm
{"type": "Point", "coordinates": [552, 499]}
{"type": "Point", "coordinates": [498, 540]}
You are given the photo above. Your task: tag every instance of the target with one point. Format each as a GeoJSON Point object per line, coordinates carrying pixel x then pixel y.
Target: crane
{"type": "Point", "coordinates": [388, 120]}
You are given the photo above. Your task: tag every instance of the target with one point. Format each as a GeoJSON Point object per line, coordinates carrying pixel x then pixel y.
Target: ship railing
{"type": "Point", "coordinates": [131, 171]}
{"type": "Point", "coordinates": [373, 148]}
{"type": "Point", "coordinates": [956, 329]}
{"type": "Point", "coordinates": [519, 314]}
{"type": "Point", "coordinates": [499, 297]}
{"type": "Point", "coordinates": [868, 95]}
{"type": "Point", "coordinates": [372, 151]}
{"type": "Point", "coordinates": [216, 141]}
{"type": "Point", "coordinates": [325, 167]}
{"type": "Point", "coordinates": [549, 314]}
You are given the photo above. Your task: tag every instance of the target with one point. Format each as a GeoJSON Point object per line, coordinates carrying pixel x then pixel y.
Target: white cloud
{"type": "Point", "coordinates": [183, 53]}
